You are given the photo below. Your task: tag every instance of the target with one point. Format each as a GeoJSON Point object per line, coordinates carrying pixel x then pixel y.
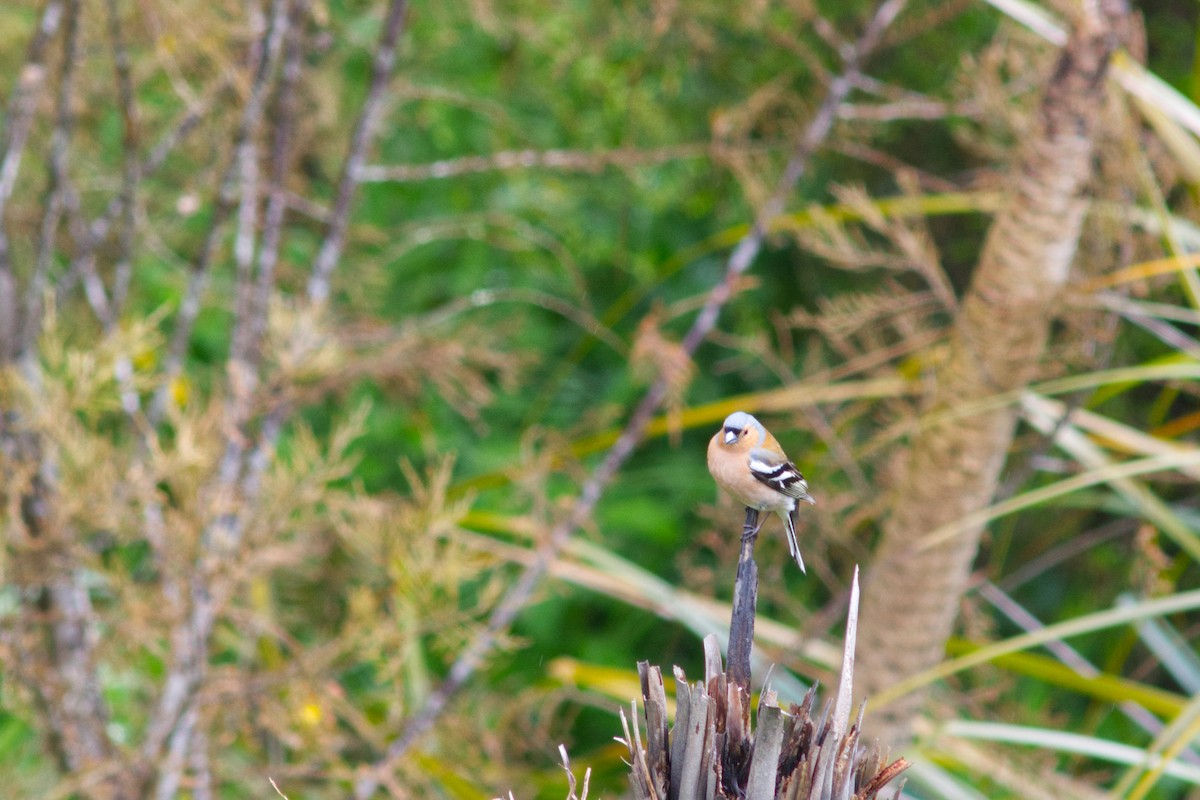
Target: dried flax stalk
{"type": "Point", "coordinates": [714, 752]}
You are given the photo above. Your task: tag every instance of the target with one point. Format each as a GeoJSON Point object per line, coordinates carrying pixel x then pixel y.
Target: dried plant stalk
{"type": "Point", "coordinates": [712, 752]}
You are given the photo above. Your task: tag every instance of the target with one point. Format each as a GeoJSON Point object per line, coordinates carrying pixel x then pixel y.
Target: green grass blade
{"type": "Point", "coordinates": [1089, 623]}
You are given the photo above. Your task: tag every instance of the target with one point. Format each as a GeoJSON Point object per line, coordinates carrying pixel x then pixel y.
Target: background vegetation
{"type": "Point", "coordinates": [315, 361]}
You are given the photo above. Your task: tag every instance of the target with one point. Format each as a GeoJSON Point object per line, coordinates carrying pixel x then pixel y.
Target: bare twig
{"type": "Point", "coordinates": [739, 261]}
{"type": "Point", "coordinates": [81, 712]}
{"type": "Point", "coordinates": [264, 55]}
{"type": "Point", "coordinates": [63, 661]}
{"type": "Point", "coordinates": [77, 712]}
{"type": "Point", "coordinates": [176, 715]}
{"type": "Point", "coordinates": [60, 141]}
{"type": "Point", "coordinates": [253, 301]}
{"type": "Point", "coordinates": [131, 166]}
{"type": "Point", "coordinates": [173, 722]}
{"type": "Point", "coordinates": [572, 160]}
{"type": "Point", "coordinates": [202, 782]}
{"type": "Point", "coordinates": [1066, 551]}
{"type": "Point", "coordinates": [247, 158]}
{"type": "Point", "coordinates": [171, 766]}
{"type": "Point", "coordinates": [19, 116]}
{"type": "Point", "coordinates": [364, 131]}
{"type": "Point", "coordinates": [84, 262]}
{"type": "Point", "coordinates": [485, 297]}
{"type": "Point", "coordinates": [908, 109]}
{"type": "Point", "coordinates": [313, 209]}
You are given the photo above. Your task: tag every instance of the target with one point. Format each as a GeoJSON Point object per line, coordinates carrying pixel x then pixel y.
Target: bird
{"type": "Point", "coordinates": [747, 462]}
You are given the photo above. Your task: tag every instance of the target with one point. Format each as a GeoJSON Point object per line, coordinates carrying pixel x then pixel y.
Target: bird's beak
{"type": "Point", "coordinates": [730, 436]}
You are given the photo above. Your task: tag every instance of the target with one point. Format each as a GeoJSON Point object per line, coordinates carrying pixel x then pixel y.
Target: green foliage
{"type": "Point", "coordinates": [439, 417]}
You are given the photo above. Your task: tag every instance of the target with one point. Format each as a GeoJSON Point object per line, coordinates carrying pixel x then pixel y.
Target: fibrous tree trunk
{"type": "Point", "coordinates": [913, 589]}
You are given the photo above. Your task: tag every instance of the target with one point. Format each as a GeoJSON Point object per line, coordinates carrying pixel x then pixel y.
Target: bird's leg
{"type": "Point", "coordinates": [752, 525]}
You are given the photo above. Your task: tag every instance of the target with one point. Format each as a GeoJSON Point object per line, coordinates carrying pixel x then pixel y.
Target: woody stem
{"type": "Point", "coordinates": [745, 599]}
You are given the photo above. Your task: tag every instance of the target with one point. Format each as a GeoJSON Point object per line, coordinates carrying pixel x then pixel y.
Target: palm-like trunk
{"type": "Point", "coordinates": [912, 592]}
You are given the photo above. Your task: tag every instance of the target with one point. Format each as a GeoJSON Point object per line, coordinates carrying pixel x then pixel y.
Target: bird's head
{"type": "Point", "coordinates": [738, 427]}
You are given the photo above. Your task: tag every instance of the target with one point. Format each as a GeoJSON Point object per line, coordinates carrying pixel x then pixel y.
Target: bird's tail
{"type": "Point", "coordinates": [789, 524]}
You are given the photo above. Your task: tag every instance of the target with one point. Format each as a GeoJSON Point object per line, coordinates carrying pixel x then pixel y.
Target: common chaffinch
{"type": "Point", "coordinates": [746, 461]}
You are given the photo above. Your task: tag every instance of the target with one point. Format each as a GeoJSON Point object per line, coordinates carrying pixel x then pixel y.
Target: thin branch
{"type": "Point", "coordinates": [570, 160]}
{"type": "Point", "coordinates": [481, 298]}
{"type": "Point", "coordinates": [202, 780]}
{"type": "Point", "coordinates": [926, 109]}
{"type": "Point", "coordinates": [78, 713]}
{"type": "Point", "coordinates": [19, 115]}
{"type": "Point", "coordinates": [176, 715]}
{"type": "Point", "coordinates": [93, 286]}
{"type": "Point", "coordinates": [246, 233]}
{"type": "Point", "coordinates": [172, 765]}
{"type": "Point", "coordinates": [308, 207]}
{"type": "Point", "coordinates": [131, 167]}
{"type": "Point", "coordinates": [587, 161]}
{"type": "Point", "coordinates": [251, 320]}
{"type": "Point", "coordinates": [263, 56]}
{"type": "Point", "coordinates": [1068, 551]}
{"type": "Point", "coordinates": [84, 262]}
{"type": "Point", "coordinates": [174, 722]}
{"type": "Point", "coordinates": [364, 131]}
{"type": "Point", "coordinates": [886, 161]}
{"type": "Point", "coordinates": [81, 711]}
{"type": "Point", "coordinates": [60, 142]}
{"type": "Point", "coordinates": [817, 131]}
{"type": "Point", "coordinates": [169, 725]}
{"type": "Point", "coordinates": [739, 261]}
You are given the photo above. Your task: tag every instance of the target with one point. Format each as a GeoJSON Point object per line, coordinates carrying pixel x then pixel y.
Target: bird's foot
{"type": "Point", "coordinates": [754, 523]}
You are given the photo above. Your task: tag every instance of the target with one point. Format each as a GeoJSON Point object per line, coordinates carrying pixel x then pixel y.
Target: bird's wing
{"type": "Point", "coordinates": [777, 472]}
